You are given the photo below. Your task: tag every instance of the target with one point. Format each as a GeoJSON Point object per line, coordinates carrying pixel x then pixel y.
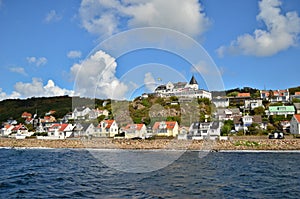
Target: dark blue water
{"type": "Point", "coordinates": [64, 173]}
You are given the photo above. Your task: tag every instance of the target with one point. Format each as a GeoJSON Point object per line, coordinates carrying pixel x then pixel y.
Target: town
{"type": "Point", "coordinates": [183, 112]}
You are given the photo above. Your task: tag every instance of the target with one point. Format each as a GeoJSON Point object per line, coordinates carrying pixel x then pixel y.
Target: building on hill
{"type": "Point", "coordinates": [295, 125]}
{"type": "Point", "coordinates": [280, 110]}
{"type": "Point", "coordinates": [182, 89]}
{"type": "Point", "coordinates": [275, 95]}
{"type": "Point", "coordinates": [220, 102]}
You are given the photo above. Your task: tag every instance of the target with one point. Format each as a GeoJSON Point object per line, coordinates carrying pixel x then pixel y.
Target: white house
{"type": "Point", "coordinates": [135, 131]}
{"type": "Point", "coordinates": [60, 131]}
{"type": "Point", "coordinates": [84, 129]}
{"type": "Point", "coordinates": [80, 112]}
{"type": "Point", "coordinates": [183, 89]}
{"type": "Point", "coordinates": [251, 104]}
{"type": "Point", "coordinates": [107, 128]}
{"type": "Point", "coordinates": [295, 124]}
{"type": "Point", "coordinates": [220, 102]}
{"type": "Point", "coordinates": [7, 129]}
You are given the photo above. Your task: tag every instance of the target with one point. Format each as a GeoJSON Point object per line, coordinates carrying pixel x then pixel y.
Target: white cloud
{"type": "Point", "coordinates": [281, 32]}
{"type": "Point", "coordinates": [52, 16]}
{"type": "Point", "coordinates": [38, 61]}
{"type": "Point", "coordinates": [95, 77]}
{"type": "Point", "coordinates": [107, 17]}
{"type": "Point", "coordinates": [4, 96]}
{"type": "Point", "coordinates": [74, 54]}
{"type": "Point", "coordinates": [37, 89]}
{"type": "Point", "coordinates": [19, 70]}
{"type": "Point", "coordinates": [149, 82]}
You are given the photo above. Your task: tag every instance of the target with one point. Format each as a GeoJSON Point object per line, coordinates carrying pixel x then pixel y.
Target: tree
{"type": "Point", "coordinates": [227, 127]}
{"type": "Point", "coordinates": [233, 94]}
{"type": "Point", "coordinates": [259, 110]}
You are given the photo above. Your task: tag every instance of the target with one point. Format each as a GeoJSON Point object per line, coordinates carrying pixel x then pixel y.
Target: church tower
{"type": "Point", "coordinates": [193, 84]}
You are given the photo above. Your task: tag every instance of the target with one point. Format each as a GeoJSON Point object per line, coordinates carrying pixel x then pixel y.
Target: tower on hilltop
{"type": "Point", "coordinates": [193, 84]}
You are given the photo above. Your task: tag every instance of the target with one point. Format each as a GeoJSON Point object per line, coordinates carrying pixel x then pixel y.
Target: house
{"type": "Point", "coordinates": [61, 131]}
{"type": "Point", "coordinates": [84, 129]}
{"type": "Point", "coordinates": [80, 113]}
{"type": "Point", "coordinates": [182, 89]}
{"type": "Point", "coordinates": [285, 125]}
{"type": "Point", "coordinates": [183, 132]}
{"type": "Point", "coordinates": [51, 112]}
{"type": "Point", "coordinates": [6, 129]}
{"type": "Point", "coordinates": [275, 95]}
{"type": "Point", "coordinates": [297, 108]}
{"type": "Point", "coordinates": [26, 115]}
{"type": "Point", "coordinates": [295, 124]}
{"type": "Point", "coordinates": [198, 130]}
{"type": "Point", "coordinates": [280, 110]}
{"type": "Point", "coordinates": [245, 95]}
{"type": "Point", "coordinates": [215, 129]}
{"type": "Point", "coordinates": [165, 128]}
{"type": "Point", "coordinates": [135, 131]}
{"type": "Point", "coordinates": [241, 123]}
{"type": "Point", "coordinates": [220, 102]}
{"type": "Point", "coordinates": [295, 96]}
{"type": "Point", "coordinates": [251, 104]}
{"type": "Point", "coordinates": [227, 113]}
{"type": "Point", "coordinates": [19, 129]}
{"type": "Point", "coordinates": [48, 119]}
{"type": "Point", "coordinates": [107, 128]}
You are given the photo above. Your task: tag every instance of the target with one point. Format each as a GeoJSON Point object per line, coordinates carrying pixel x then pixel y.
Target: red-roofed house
{"type": "Point", "coordinates": [169, 128]}
{"type": "Point", "coordinates": [135, 131]}
{"type": "Point", "coordinates": [6, 130]}
{"type": "Point", "coordinates": [26, 115]}
{"type": "Point", "coordinates": [243, 95]}
{"type": "Point", "coordinates": [60, 131]}
{"type": "Point", "coordinates": [107, 128]}
{"type": "Point", "coordinates": [277, 95]}
{"type": "Point", "coordinates": [295, 124]}
{"type": "Point", "coordinates": [19, 129]}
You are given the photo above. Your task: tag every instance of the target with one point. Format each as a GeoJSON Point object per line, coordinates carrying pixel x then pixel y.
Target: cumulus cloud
{"type": "Point", "coordinates": [107, 17]}
{"type": "Point", "coordinates": [149, 82]}
{"type": "Point", "coordinates": [37, 89]}
{"type": "Point", "coordinates": [13, 95]}
{"type": "Point", "coordinates": [38, 61]}
{"type": "Point", "coordinates": [52, 16]}
{"type": "Point", "coordinates": [282, 31]}
{"type": "Point", "coordinates": [95, 77]}
{"type": "Point", "coordinates": [74, 54]}
{"type": "Point", "coordinates": [19, 70]}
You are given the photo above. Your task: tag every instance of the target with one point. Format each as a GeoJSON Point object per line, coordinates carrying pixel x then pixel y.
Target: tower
{"type": "Point", "coordinates": [193, 84]}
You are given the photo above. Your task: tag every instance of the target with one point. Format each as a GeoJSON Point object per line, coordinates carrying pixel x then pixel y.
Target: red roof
{"type": "Point", "coordinates": [297, 93]}
{"type": "Point", "coordinates": [243, 95]}
{"type": "Point", "coordinates": [297, 117]}
{"type": "Point", "coordinates": [169, 125]}
{"type": "Point", "coordinates": [136, 126]}
{"type": "Point", "coordinates": [109, 123]}
{"type": "Point", "coordinates": [26, 115]}
{"type": "Point", "coordinates": [61, 127]}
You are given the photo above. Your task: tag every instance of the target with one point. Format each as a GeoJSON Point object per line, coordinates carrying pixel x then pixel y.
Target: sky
{"type": "Point", "coordinates": [122, 48]}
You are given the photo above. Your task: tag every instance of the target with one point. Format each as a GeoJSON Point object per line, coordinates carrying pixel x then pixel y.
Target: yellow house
{"type": "Point", "coordinates": [165, 128]}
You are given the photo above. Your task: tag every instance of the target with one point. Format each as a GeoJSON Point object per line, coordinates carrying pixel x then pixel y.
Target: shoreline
{"type": "Point", "coordinates": [243, 143]}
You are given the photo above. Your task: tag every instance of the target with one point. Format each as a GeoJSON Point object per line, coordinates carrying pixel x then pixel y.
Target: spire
{"type": "Point", "coordinates": [193, 81]}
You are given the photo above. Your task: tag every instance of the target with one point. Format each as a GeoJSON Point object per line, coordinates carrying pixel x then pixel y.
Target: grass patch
{"type": "Point", "coordinates": [246, 143]}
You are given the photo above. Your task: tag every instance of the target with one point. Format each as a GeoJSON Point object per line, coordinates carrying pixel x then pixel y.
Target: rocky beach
{"type": "Point", "coordinates": [234, 143]}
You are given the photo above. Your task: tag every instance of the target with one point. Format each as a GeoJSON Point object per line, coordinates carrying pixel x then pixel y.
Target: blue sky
{"type": "Point", "coordinates": [54, 47]}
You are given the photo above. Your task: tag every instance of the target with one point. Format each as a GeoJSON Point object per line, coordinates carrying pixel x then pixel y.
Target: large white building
{"type": "Point", "coordinates": [182, 89]}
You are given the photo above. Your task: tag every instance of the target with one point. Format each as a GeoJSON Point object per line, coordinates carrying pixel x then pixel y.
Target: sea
{"type": "Point", "coordinates": [78, 173]}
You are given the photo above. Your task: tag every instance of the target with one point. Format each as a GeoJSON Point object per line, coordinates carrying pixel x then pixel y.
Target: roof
{"type": "Point", "coordinates": [237, 119]}
{"type": "Point", "coordinates": [297, 117]}
{"type": "Point", "coordinates": [297, 105]}
{"type": "Point", "coordinates": [169, 124]}
{"type": "Point", "coordinates": [134, 126]}
{"type": "Point", "coordinates": [109, 123]}
{"type": "Point", "coordinates": [243, 95]}
{"type": "Point", "coordinates": [281, 108]}
{"type": "Point", "coordinates": [25, 115]}
{"type": "Point", "coordinates": [297, 93]}
{"type": "Point", "coordinates": [257, 119]}
{"type": "Point", "coordinates": [193, 80]}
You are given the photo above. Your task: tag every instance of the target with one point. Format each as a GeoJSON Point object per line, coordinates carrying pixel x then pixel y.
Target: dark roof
{"type": "Point", "coordinates": [257, 119]}
{"type": "Point", "coordinates": [193, 80]}
{"type": "Point", "coordinates": [161, 87]}
{"type": "Point", "coordinates": [215, 125]}
{"type": "Point", "coordinates": [237, 119]}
